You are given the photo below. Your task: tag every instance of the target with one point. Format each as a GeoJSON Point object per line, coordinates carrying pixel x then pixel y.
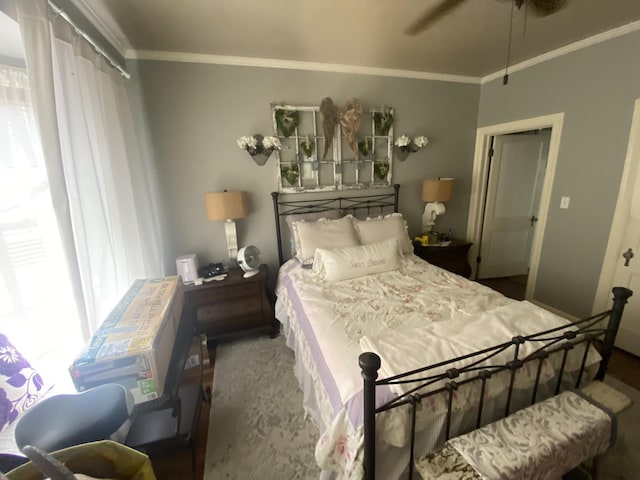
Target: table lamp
{"type": "Point", "coordinates": [227, 206]}
{"type": "Point", "coordinates": [434, 191]}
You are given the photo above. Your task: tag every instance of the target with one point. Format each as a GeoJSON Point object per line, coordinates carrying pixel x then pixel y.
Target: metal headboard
{"type": "Point", "coordinates": [368, 204]}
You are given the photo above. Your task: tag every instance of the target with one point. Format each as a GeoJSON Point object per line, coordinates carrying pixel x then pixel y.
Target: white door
{"type": "Point", "coordinates": [516, 176]}
{"type": "Point", "coordinates": [627, 265]}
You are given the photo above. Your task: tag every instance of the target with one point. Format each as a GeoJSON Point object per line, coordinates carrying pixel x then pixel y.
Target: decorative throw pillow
{"type": "Point", "coordinates": [373, 230]}
{"type": "Point", "coordinates": [20, 385]}
{"type": "Point", "coordinates": [351, 262]}
{"type": "Point", "coordinates": [309, 217]}
{"type": "Point", "coordinates": [309, 236]}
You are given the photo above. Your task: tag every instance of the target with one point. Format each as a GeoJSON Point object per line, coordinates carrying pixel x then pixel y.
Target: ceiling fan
{"type": "Point", "coordinates": [542, 8]}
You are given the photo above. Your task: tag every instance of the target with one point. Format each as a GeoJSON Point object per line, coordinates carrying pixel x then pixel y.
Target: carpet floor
{"type": "Point", "coordinates": [257, 427]}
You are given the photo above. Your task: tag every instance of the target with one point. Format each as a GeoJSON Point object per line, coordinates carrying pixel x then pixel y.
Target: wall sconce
{"type": "Point", "coordinates": [405, 145]}
{"type": "Point", "coordinates": [260, 148]}
{"type": "Point", "coordinates": [227, 206]}
{"type": "Point", "coordinates": [434, 191]}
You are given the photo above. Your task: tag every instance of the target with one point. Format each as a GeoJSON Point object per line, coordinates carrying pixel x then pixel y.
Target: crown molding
{"type": "Point", "coordinates": [572, 47]}
{"type": "Point", "coordinates": [106, 25]}
{"type": "Point", "coordinates": [296, 65]}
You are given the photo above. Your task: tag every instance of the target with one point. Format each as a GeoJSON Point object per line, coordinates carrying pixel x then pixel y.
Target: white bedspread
{"type": "Point", "coordinates": [400, 315]}
{"type": "Point", "coordinates": [425, 343]}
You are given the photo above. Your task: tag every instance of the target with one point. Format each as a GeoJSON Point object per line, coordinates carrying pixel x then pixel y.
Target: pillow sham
{"type": "Point", "coordinates": [312, 217]}
{"type": "Point", "coordinates": [323, 233]}
{"type": "Point", "coordinates": [350, 262]}
{"type": "Point", "coordinates": [373, 230]}
{"type": "Point", "coordinates": [20, 385]}
{"type": "Point", "coordinates": [308, 217]}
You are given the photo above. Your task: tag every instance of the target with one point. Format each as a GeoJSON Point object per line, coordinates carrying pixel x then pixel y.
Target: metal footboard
{"type": "Point", "coordinates": [557, 341]}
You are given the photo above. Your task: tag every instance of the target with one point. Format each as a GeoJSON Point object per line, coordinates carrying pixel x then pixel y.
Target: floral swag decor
{"type": "Point", "coordinates": [307, 146]}
{"type": "Point", "coordinates": [260, 148]}
{"type": "Point", "coordinates": [405, 145]}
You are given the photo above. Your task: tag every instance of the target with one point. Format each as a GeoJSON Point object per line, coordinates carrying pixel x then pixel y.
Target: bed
{"type": "Point", "coordinates": [339, 297]}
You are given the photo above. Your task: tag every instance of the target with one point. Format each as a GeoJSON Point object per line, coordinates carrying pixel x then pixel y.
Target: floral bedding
{"type": "Point", "coordinates": [333, 323]}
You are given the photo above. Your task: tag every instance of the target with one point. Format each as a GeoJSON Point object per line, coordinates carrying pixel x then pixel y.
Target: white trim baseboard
{"type": "Point", "coordinates": [558, 312]}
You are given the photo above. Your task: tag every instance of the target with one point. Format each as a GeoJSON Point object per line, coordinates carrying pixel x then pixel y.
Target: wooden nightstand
{"type": "Point", "coordinates": [232, 307]}
{"type": "Point", "coordinates": [453, 257]}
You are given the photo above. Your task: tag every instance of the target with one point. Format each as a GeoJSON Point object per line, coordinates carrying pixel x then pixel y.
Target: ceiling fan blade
{"type": "Point", "coordinates": [547, 7]}
{"type": "Point", "coordinates": [432, 16]}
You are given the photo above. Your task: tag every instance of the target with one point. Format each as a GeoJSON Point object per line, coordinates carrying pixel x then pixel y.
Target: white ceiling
{"type": "Point", "coordinates": [470, 41]}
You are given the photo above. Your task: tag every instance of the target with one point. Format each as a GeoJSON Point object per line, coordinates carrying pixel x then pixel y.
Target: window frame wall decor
{"type": "Point", "coordinates": [340, 168]}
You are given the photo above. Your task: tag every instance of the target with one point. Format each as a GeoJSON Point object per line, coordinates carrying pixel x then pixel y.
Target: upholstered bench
{"type": "Point", "coordinates": [543, 441]}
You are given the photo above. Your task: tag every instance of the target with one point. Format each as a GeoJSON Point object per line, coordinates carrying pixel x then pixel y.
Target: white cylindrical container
{"type": "Point", "coordinates": [187, 267]}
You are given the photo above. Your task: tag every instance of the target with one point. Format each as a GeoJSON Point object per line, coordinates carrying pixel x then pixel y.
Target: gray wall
{"type": "Point", "coordinates": [595, 88]}
{"type": "Point", "coordinates": [195, 113]}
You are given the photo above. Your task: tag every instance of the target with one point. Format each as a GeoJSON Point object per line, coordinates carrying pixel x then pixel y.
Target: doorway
{"type": "Point", "coordinates": [537, 180]}
{"type": "Point", "coordinates": [517, 164]}
{"type": "Point", "coordinates": [620, 266]}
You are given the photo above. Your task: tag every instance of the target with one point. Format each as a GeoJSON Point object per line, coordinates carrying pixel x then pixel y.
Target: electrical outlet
{"type": "Point", "coordinates": [564, 202]}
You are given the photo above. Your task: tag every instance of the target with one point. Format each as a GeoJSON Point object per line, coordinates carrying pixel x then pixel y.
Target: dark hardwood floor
{"type": "Point", "coordinates": [173, 461]}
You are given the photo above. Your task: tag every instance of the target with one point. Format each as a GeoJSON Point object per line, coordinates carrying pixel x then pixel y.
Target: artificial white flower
{"type": "Point", "coordinates": [420, 141]}
{"type": "Point", "coordinates": [247, 142]}
{"type": "Point", "coordinates": [402, 141]}
{"type": "Point", "coordinates": [272, 143]}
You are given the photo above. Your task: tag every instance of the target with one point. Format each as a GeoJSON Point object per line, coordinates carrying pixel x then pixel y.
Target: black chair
{"type": "Point", "coordinates": [62, 421]}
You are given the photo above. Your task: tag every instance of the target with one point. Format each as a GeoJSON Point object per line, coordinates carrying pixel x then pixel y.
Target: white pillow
{"type": "Point", "coordinates": [374, 230]}
{"type": "Point", "coordinates": [309, 217]}
{"type": "Point", "coordinates": [351, 262]}
{"type": "Point", "coordinates": [324, 233]}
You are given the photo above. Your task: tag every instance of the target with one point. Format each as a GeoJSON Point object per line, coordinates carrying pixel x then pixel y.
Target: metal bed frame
{"type": "Point", "coordinates": [357, 205]}
{"type": "Point", "coordinates": [556, 341]}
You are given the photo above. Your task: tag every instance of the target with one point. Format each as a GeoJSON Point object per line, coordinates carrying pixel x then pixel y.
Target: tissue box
{"type": "Point", "coordinates": [134, 344]}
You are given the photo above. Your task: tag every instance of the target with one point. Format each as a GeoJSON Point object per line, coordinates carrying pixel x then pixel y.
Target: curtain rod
{"type": "Point", "coordinates": [58, 11]}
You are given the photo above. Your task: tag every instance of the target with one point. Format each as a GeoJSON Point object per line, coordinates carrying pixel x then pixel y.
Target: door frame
{"type": "Point", "coordinates": [621, 213]}
{"type": "Point", "coordinates": [479, 185]}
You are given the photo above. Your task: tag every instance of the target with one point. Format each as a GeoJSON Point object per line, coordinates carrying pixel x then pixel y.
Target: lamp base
{"type": "Point", "coordinates": [232, 239]}
{"type": "Point", "coordinates": [431, 211]}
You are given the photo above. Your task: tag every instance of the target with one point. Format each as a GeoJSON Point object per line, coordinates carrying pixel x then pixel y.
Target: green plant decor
{"type": "Point", "coordinates": [365, 146]}
{"type": "Point", "coordinates": [287, 121]}
{"type": "Point", "coordinates": [380, 170]}
{"type": "Point", "coordinates": [290, 173]}
{"type": "Point", "coordinates": [382, 122]}
{"type": "Point", "coordinates": [307, 146]}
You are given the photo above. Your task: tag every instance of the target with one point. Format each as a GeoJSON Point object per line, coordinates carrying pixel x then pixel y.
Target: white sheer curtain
{"type": "Point", "coordinates": [37, 309]}
{"type": "Point", "coordinates": [98, 174]}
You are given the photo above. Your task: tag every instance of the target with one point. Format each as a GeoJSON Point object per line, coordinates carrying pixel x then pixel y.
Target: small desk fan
{"type": "Point", "coordinates": [249, 260]}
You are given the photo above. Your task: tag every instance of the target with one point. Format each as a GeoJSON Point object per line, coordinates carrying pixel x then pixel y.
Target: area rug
{"type": "Point", "coordinates": [622, 461]}
{"type": "Point", "coordinates": [257, 427]}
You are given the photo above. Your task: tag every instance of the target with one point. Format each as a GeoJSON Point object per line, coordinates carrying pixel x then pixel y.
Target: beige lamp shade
{"type": "Point", "coordinates": [225, 205]}
{"type": "Point", "coordinates": [437, 189]}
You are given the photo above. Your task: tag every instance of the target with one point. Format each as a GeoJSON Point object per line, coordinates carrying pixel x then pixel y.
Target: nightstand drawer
{"type": "Point", "coordinates": [225, 293]}
{"type": "Point", "coordinates": [229, 316]}
{"type": "Point", "coordinates": [233, 306]}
